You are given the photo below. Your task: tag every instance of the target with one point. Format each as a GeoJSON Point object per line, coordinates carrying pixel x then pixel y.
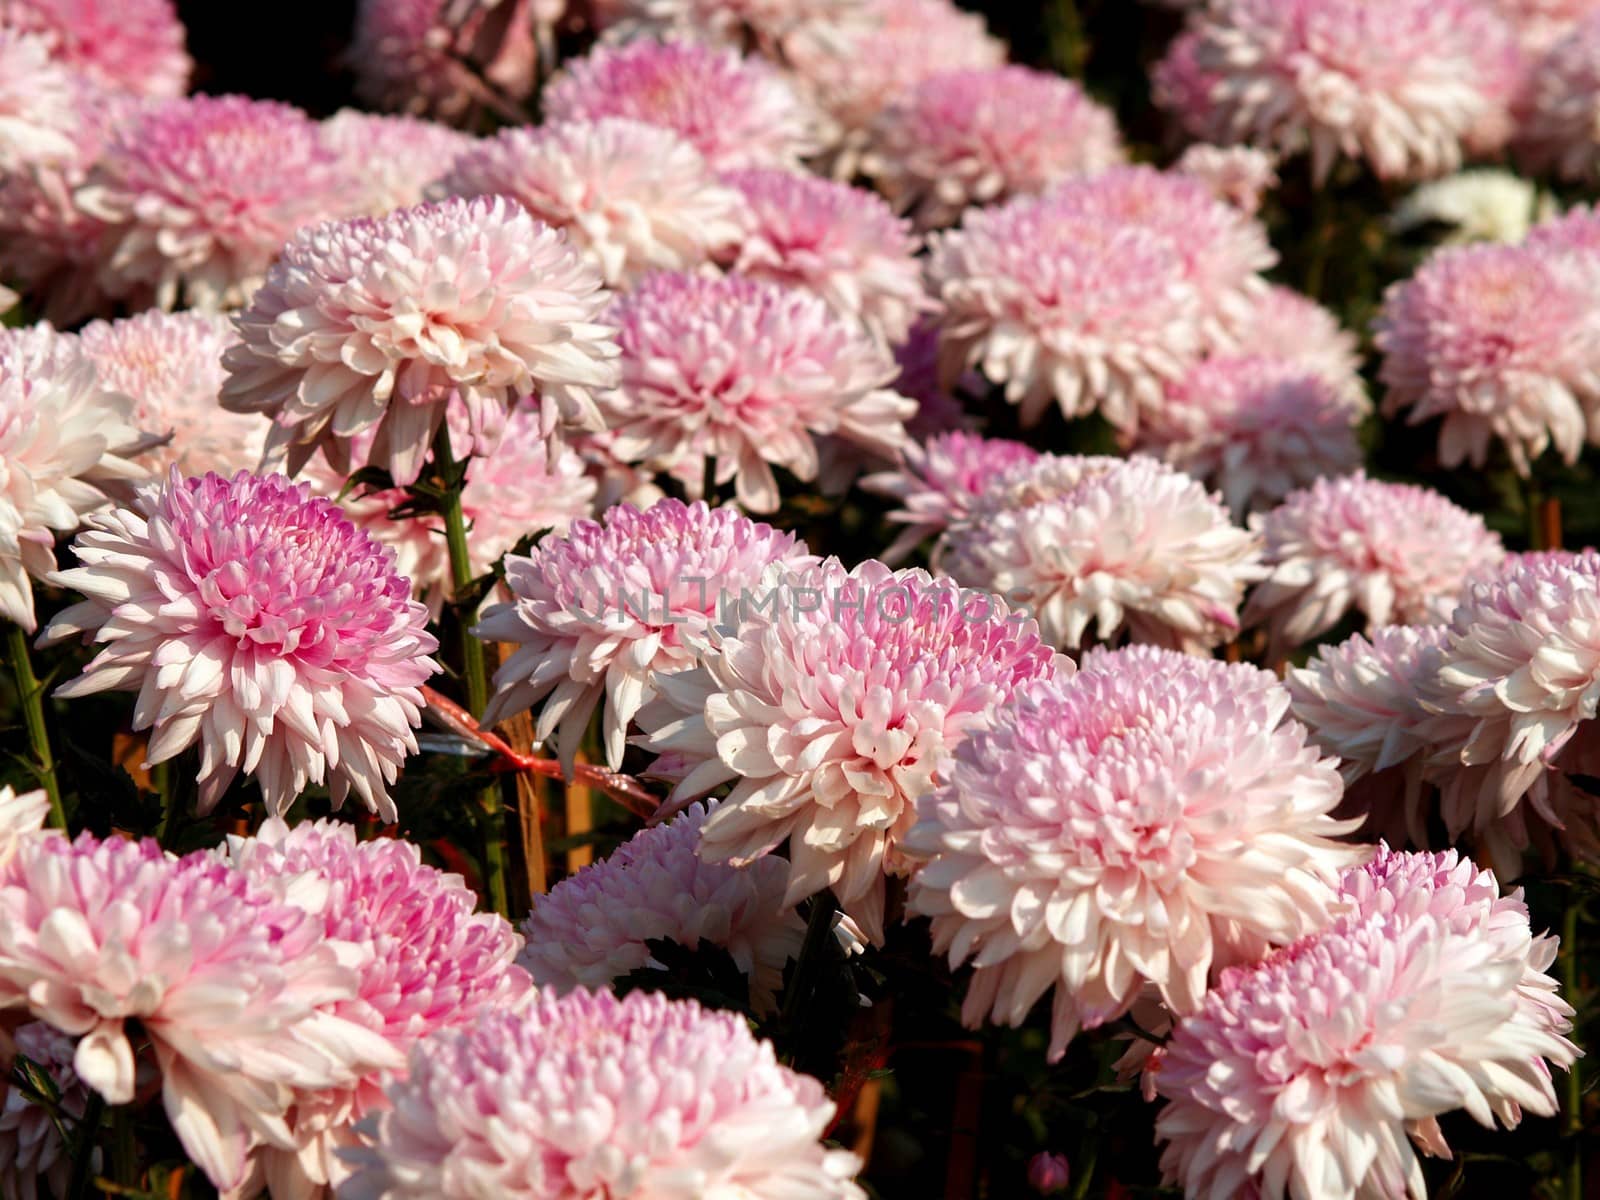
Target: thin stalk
{"type": "Point", "coordinates": [88, 1141]}
{"type": "Point", "coordinates": [124, 1149]}
{"type": "Point", "coordinates": [819, 928]}
{"type": "Point", "coordinates": [1573, 1117]}
{"type": "Point", "coordinates": [472, 669]}
{"type": "Point", "coordinates": [31, 696]}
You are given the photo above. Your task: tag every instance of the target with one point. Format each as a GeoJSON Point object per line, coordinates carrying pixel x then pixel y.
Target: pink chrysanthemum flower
{"type": "Point", "coordinates": [746, 373]}
{"type": "Point", "coordinates": [1123, 831]}
{"type": "Point", "coordinates": [377, 324]}
{"type": "Point", "coordinates": [854, 72]}
{"type": "Point", "coordinates": [938, 480]}
{"type": "Point", "coordinates": [1312, 1072]}
{"type": "Point", "coordinates": [432, 963]}
{"type": "Point", "coordinates": [939, 404]}
{"type": "Point", "coordinates": [829, 710]}
{"type": "Point", "coordinates": [1059, 305]}
{"type": "Point", "coordinates": [130, 45]}
{"type": "Point", "coordinates": [525, 485]}
{"type": "Point", "coordinates": [65, 440]}
{"type": "Point", "coordinates": [1184, 87]}
{"type": "Point", "coordinates": [230, 986]}
{"type": "Point", "coordinates": [737, 112]}
{"type": "Point", "coordinates": [1561, 106]}
{"type": "Point", "coordinates": [38, 103]}
{"type": "Point", "coordinates": [841, 242]}
{"type": "Point", "coordinates": [447, 58]}
{"type": "Point", "coordinates": [1255, 427]}
{"type": "Point", "coordinates": [21, 815]}
{"type": "Point", "coordinates": [1542, 23]}
{"type": "Point", "coordinates": [1220, 249]}
{"type": "Point", "coordinates": [1398, 85]}
{"type": "Point", "coordinates": [768, 24]}
{"type": "Point", "coordinates": [1397, 552]}
{"type": "Point", "coordinates": [253, 619]}
{"type": "Point", "coordinates": [1503, 342]}
{"type": "Point", "coordinates": [1361, 702]}
{"type": "Point", "coordinates": [171, 364]}
{"type": "Point", "coordinates": [34, 1157]}
{"type": "Point", "coordinates": [1131, 546]}
{"type": "Point", "coordinates": [634, 197]}
{"type": "Point", "coordinates": [199, 195]}
{"type": "Point", "coordinates": [981, 135]}
{"type": "Point", "coordinates": [596, 926]}
{"type": "Point", "coordinates": [1286, 324]}
{"type": "Point", "coordinates": [614, 606]}
{"type": "Point", "coordinates": [1240, 175]}
{"type": "Point", "coordinates": [391, 159]}
{"type": "Point", "coordinates": [1514, 689]}
{"type": "Point", "coordinates": [586, 1094]}
{"type": "Point", "coordinates": [49, 247]}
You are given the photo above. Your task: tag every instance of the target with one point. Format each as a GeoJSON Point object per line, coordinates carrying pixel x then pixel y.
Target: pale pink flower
{"type": "Point", "coordinates": [1542, 23]}
{"type": "Point", "coordinates": [38, 110]}
{"type": "Point", "coordinates": [378, 323]}
{"type": "Point", "coordinates": [431, 963]}
{"type": "Point", "coordinates": [65, 441]}
{"type": "Point", "coordinates": [745, 373]}
{"type": "Point", "coordinates": [1361, 701]}
{"type": "Point", "coordinates": [21, 814]}
{"type": "Point", "coordinates": [171, 365]}
{"type": "Point", "coordinates": [589, 1095]}
{"type": "Point", "coordinates": [596, 926]}
{"type": "Point", "coordinates": [841, 242]}
{"type": "Point", "coordinates": [829, 710]}
{"type": "Point", "coordinates": [1221, 250]}
{"type": "Point", "coordinates": [448, 58]}
{"type": "Point", "coordinates": [1130, 546]}
{"type": "Point", "coordinates": [853, 72]}
{"type": "Point", "coordinates": [1514, 688]}
{"type": "Point", "coordinates": [1123, 831]}
{"type": "Point", "coordinates": [34, 1158]}
{"type": "Point", "coordinates": [768, 24]}
{"type": "Point", "coordinates": [122, 45]}
{"type": "Point", "coordinates": [199, 195]}
{"type": "Point", "coordinates": [1575, 232]}
{"type": "Point", "coordinates": [1561, 106]}
{"type": "Point", "coordinates": [391, 159]}
{"type": "Point", "coordinates": [253, 619]}
{"type": "Point", "coordinates": [1312, 1072]}
{"type": "Point", "coordinates": [1396, 552]}
{"type": "Point", "coordinates": [523, 486]}
{"type": "Point", "coordinates": [1255, 427]}
{"type": "Point", "coordinates": [738, 112]}
{"type": "Point", "coordinates": [614, 606]}
{"type": "Point", "coordinates": [617, 482]}
{"type": "Point", "coordinates": [49, 247]}
{"type": "Point", "coordinates": [634, 197]}
{"type": "Point", "coordinates": [230, 986]}
{"type": "Point", "coordinates": [1058, 305]}
{"type": "Point", "coordinates": [1241, 175]}
{"type": "Point", "coordinates": [1286, 324]}
{"type": "Point", "coordinates": [1398, 85]}
{"type": "Point", "coordinates": [985, 134]}
{"type": "Point", "coordinates": [937, 481]}
{"type": "Point", "coordinates": [1503, 342]}
{"type": "Point", "coordinates": [1189, 90]}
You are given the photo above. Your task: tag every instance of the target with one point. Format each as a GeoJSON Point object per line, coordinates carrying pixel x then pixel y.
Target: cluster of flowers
{"type": "Point", "coordinates": [672, 284]}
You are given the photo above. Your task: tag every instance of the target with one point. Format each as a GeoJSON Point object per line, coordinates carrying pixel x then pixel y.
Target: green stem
{"type": "Point", "coordinates": [1570, 982]}
{"type": "Point", "coordinates": [173, 779]}
{"type": "Point", "coordinates": [124, 1149]}
{"type": "Point", "coordinates": [88, 1139]}
{"type": "Point", "coordinates": [819, 928]}
{"type": "Point", "coordinates": [472, 667]}
{"type": "Point", "coordinates": [31, 695]}
{"type": "Point", "coordinates": [1084, 1167]}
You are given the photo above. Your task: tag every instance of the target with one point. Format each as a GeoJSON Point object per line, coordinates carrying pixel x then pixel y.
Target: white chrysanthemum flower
{"type": "Point", "coordinates": [1481, 205]}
